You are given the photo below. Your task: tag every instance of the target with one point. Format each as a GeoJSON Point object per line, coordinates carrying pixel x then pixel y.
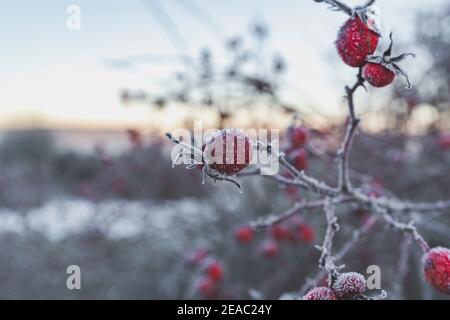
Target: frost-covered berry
{"type": "Point", "coordinates": [380, 71]}
{"type": "Point", "coordinates": [356, 41]}
{"type": "Point", "coordinates": [378, 75]}
{"type": "Point", "coordinates": [320, 293]}
{"type": "Point", "coordinates": [245, 234]}
{"type": "Point", "coordinates": [229, 151]}
{"type": "Point", "coordinates": [350, 284]}
{"type": "Point", "coordinates": [436, 267]}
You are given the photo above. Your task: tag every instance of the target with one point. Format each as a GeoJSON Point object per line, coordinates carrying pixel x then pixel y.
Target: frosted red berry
{"type": "Point", "coordinates": [229, 151]}
{"type": "Point", "coordinates": [245, 234]}
{"type": "Point", "coordinates": [297, 136]}
{"type": "Point", "coordinates": [355, 42]}
{"type": "Point", "coordinates": [436, 267]}
{"type": "Point", "coordinates": [349, 285]}
{"type": "Point", "coordinates": [378, 75]}
{"type": "Point", "coordinates": [320, 293]}
{"type": "Point", "coordinates": [298, 158]}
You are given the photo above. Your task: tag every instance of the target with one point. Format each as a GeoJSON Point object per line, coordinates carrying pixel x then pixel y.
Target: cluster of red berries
{"type": "Point", "coordinates": [294, 231]}
{"type": "Point", "coordinates": [209, 283]}
{"type": "Point", "coordinates": [348, 285]}
{"type": "Point", "coordinates": [356, 42]}
{"type": "Point", "coordinates": [297, 138]}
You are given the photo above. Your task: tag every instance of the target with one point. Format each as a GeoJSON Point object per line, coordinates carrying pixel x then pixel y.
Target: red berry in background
{"type": "Point", "coordinates": [375, 188]}
{"type": "Point", "coordinates": [286, 174]}
{"type": "Point", "coordinates": [349, 285]}
{"type": "Point", "coordinates": [320, 293]}
{"type": "Point", "coordinates": [293, 193]}
{"type": "Point", "coordinates": [436, 267]}
{"type": "Point", "coordinates": [229, 151]}
{"type": "Point", "coordinates": [298, 158]}
{"type": "Point", "coordinates": [198, 256]}
{"type": "Point", "coordinates": [214, 270]}
{"type": "Point", "coordinates": [207, 288]}
{"type": "Point", "coordinates": [120, 186]}
{"type": "Point", "coordinates": [356, 41]}
{"type": "Point", "coordinates": [297, 136]}
{"type": "Point", "coordinates": [135, 137]}
{"type": "Point", "coordinates": [245, 234]}
{"type": "Point", "coordinates": [306, 233]}
{"type": "Point", "coordinates": [280, 233]}
{"type": "Point", "coordinates": [444, 141]}
{"type": "Point", "coordinates": [270, 249]}
{"type": "Point", "coordinates": [378, 75]}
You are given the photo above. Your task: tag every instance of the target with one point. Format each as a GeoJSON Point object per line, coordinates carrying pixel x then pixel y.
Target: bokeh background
{"type": "Point", "coordinates": [85, 170]}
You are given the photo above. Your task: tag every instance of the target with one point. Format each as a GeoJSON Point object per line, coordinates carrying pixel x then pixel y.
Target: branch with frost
{"type": "Point", "coordinates": [356, 238]}
{"type": "Point", "coordinates": [295, 209]}
{"type": "Point", "coordinates": [408, 228]}
{"type": "Point", "coordinates": [326, 260]}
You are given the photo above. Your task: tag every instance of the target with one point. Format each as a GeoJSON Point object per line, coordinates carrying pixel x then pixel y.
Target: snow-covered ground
{"type": "Point", "coordinates": [62, 217]}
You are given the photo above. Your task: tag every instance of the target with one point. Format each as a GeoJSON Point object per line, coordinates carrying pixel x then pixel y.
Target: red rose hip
{"type": "Point", "coordinates": [355, 42]}
{"type": "Point", "coordinates": [229, 151]}
{"type": "Point", "coordinates": [378, 75]}
{"type": "Point", "coordinates": [436, 267]}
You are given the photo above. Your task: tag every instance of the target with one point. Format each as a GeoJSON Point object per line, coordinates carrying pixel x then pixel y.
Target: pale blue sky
{"type": "Point", "coordinates": [60, 77]}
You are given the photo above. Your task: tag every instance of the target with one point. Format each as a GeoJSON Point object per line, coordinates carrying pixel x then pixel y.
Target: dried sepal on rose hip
{"type": "Point", "coordinates": [436, 267]}
{"type": "Point", "coordinates": [320, 293]}
{"type": "Point", "coordinates": [381, 71]}
{"type": "Point", "coordinates": [359, 36]}
{"type": "Point", "coordinates": [349, 285]}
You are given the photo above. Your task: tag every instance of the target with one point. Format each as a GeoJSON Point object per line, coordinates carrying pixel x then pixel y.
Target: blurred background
{"type": "Point", "coordinates": [85, 170]}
